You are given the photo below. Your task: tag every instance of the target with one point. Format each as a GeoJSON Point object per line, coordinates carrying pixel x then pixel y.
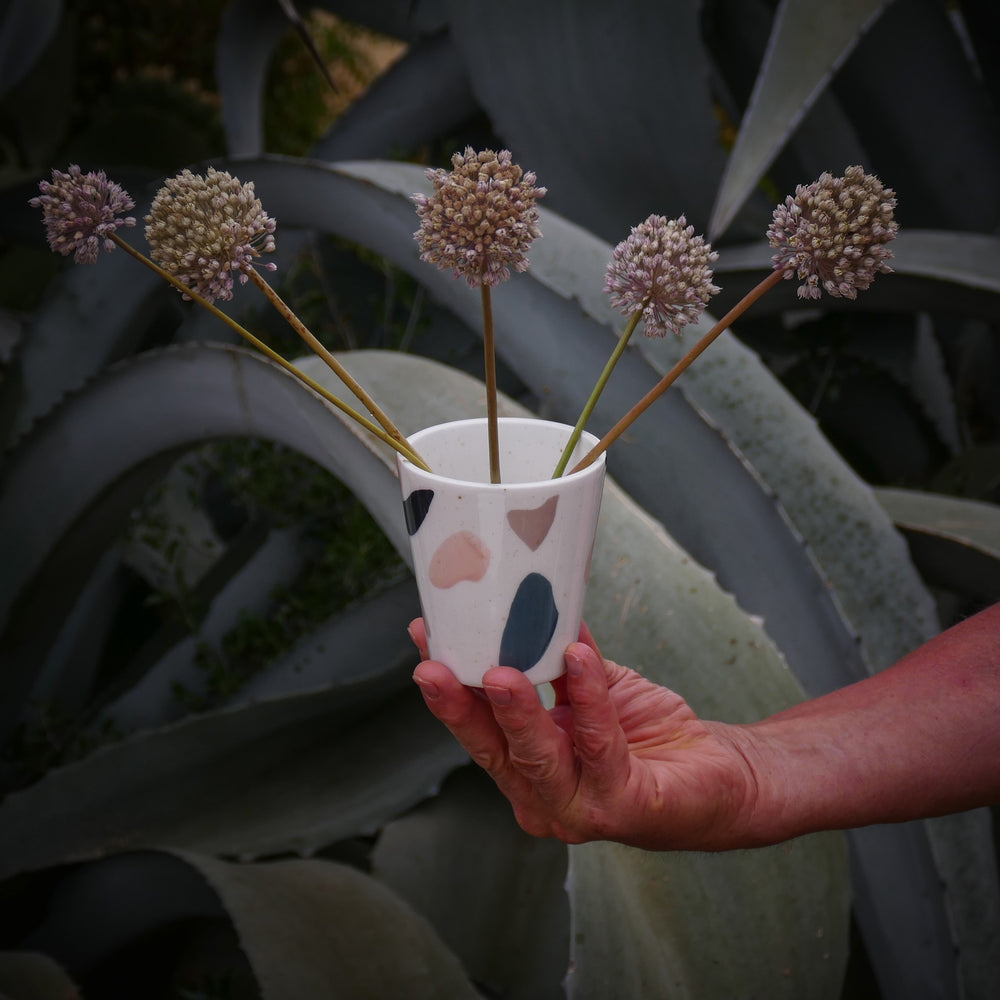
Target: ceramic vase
{"type": "Point", "coordinates": [501, 568]}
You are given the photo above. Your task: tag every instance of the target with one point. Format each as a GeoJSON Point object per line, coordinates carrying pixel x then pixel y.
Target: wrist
{"type": "Point", "coordinates": [774, 802]}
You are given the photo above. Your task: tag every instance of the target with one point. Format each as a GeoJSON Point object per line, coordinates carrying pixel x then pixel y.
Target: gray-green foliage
{"type": "Point", "coordinates": [741, 559]}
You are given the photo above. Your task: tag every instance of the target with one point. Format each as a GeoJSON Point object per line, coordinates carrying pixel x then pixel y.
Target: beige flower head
{"type": "Point", "coordinates": [665, 270]}
{"type": "Point", "coordinates": [81, 211]}
{"type": "Point", "coordinates": [202, 229]}
{"type": "Point", "coordinates": [833, 234]}
{"type": "Point", "coordinates": [481, 218]}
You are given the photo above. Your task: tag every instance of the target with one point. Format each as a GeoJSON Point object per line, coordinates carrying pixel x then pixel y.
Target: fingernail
{"type": "Point", "coordinates": [574, 665]}
{"type": "Point", "coordinates": [428, 689]}
{"type": "Point", "coordinates": [499, 696]}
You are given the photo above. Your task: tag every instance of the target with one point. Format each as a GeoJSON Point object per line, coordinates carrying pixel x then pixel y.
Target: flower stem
{"type": "Point", "coordinates": [661, 387]}
{"type": "Point", "coordinates": [338, 369]}
{"type": "Point", "coordinates": [489, 350]}
{"type": "Point", "coordinates": [406, 452]}
{"type": "Point", "coordinates": [598, 389]}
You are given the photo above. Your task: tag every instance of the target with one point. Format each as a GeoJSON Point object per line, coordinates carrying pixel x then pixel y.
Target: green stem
{"type": "Point", "coordinates": [489, 350]}
{"type": "Point", "coordinates": [338, 369]}
{"type": "Point", "coordinates": [661, 387]}
{"type": "Point", "coordinates": [598, 389]}
{"type": "Point", "coordinates": [273, 355]}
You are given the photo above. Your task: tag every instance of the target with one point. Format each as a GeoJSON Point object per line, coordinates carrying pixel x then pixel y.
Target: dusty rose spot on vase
{"type": "Point", "coordinates": [462, 556]}
{"type": "Point", "coordinates": [531, 526]}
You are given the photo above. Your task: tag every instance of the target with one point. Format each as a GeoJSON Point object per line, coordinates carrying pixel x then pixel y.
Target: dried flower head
{"type": "Point", "coordinates": [481, 218]}
{"type": "Point", "coordinates": [834, 232]}
{"type": "Point", "coordinates": [202, 229]}
{"type": "Point", "coordinates": [81, 211]}
{"type": "Point", "coordinates": [664, 270]}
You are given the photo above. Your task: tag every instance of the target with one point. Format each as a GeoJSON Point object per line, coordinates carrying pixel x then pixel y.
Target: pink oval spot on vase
{"type": "Point", "coordinates": [531, 526]}
{"type": "Point", "coordinates": [462, 556]}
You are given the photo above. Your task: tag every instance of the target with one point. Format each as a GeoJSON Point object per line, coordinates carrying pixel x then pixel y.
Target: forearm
{"type": "Point", "coordinates": [919, 739]}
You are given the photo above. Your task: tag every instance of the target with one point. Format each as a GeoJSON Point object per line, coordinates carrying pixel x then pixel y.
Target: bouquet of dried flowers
{"type": "Point", "coordinates": [479, 222]}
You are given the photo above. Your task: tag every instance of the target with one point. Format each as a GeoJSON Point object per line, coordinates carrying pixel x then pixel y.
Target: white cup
{"type": "Point", "coordinates": [501, 567]}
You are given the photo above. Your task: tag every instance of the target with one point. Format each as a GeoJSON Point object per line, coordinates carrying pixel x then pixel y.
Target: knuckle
{"type": "Point", "coordinates": [533, 825]}
{"type": "Point", "coordinates": [491, 763]}
{"type": "Point", "coordinates": [591, 743]}
{"type": "Point", "coordinates": [538, 770]}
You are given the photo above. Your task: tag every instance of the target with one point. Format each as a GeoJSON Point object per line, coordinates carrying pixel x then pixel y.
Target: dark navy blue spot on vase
{"type": "Point", "coordinates": [530, 624]}
{"type": "Point", "coordinates": [415, 508]}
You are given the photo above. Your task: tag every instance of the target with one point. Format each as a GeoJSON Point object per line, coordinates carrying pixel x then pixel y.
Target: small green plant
{"type": "Point", "coordinates": [347, 558]}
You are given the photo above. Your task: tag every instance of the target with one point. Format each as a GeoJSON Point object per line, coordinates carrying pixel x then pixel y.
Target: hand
{"type": "Point", "coordinates": [617, 758]}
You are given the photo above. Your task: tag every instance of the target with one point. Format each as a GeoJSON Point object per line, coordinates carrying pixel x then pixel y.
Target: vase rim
{"type": "Point", "coordinates": [587, 439]}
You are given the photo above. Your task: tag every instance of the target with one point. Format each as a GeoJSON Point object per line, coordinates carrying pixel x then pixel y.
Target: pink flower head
{"type": "Point", "coordinates": [202, 229]}
{"type": "Point", "coordinates": [81, 211]}
{"type": "Point", "coordinates": [664, 270]}
{"type": "Point", "coordinates": [481, 218]}
{"type": "Point", "coordinates": [833, 234]}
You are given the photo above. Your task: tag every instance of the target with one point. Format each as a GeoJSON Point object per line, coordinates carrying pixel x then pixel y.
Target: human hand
{"type": "Point", "coordinates": [617, 757]}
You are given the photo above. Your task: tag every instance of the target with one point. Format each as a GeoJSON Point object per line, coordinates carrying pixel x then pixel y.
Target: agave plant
{"type": "Point", "coordinates": [289, 835]}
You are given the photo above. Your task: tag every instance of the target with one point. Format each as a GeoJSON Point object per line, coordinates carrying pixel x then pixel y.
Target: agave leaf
{"type": "Point", "coordinates": [633, 932]}
{"type": "Point", "coordinates": [25, 29]}
{"type": "Point", "coordinates": [634, 926]}
{"type": "Point", "coordinates": [286, 774]}
{"type": "Point", "coordinates": [466, 837]}
{"type": "Point", "coordinates": [250, 31]}
{"type": "Point", "coordinates": [241, 394]}
{"type": "Point", "coordinates": [913, 144]}
{"type": "Point", "coordinates": [981, 22]}
{"type": "Point", "coordinates": [931, 386]}
{"type": "Point", "coordinates": [26, 975]}
{"type": "Point", "coordinates": [955, 542]}
{"type": "Point", "coordinates": [907, 359]}
{"type": "Point", "coordinates": [67, 676]}
{"type": "Point", "coordinates": [933, 269]}
{"type": "Point", "coordinates": [425, 94]}
{"type": "Point", "coordinates": [967, 259]}
{"type": "Point", "coordinates": [284, 911]}
{"type": "Point", "coordinates": [148, 890]}
{"type": "Point", "coordinates": [151, 699]}
{"type": "Point", "coordinates": [97, 314]}
{"type": "Point", "coordinates": [307, 928]}
{"type": "Point", "coordinates": [69, 501]}
{"type": "Point", "coordinates": [118, 296]}
{"type": "Point", "coordinates": [637, 69]}
{"type": "Point", "coordinates": [808, 44]}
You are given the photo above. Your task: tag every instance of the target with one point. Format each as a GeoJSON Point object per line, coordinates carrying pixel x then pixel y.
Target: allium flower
{"type": "Point", "coordinates": [834, 232]}
{"type": "Point", "coordinates": [664, 270]}
{"type": "Point", "coordinates": [81, 211]}
{"type": "Point", "coordinates": [202, 229]}
{"type": "Point", "coordinates": [481, 218]}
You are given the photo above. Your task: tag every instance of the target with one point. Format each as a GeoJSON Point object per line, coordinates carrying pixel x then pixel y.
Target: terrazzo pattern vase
{"type": "Point", "coordinates": [501, 568]}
